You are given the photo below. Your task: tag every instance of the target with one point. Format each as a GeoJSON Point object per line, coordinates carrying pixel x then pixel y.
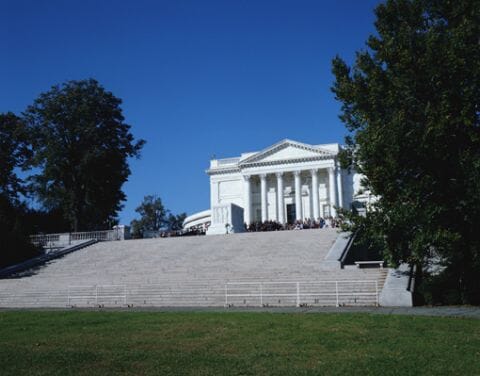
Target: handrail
{"type": "Point", "coordinates": [411, 278]}
{"type": "Point", "coordinates": [305, 282]}
{"type": "Point", "coordinates": [347, 247]}
{"type": "Point", "coordinates": [298, 294]}
{"type": "Point", "coordinates": [25, 265]}
{"type": "Point", "coordinates": [98, 296]}
{"type": "Point", "coordinates": [339, 293]}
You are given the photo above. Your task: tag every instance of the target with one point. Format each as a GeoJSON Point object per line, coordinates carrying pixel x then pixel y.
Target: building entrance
{"type": "Point", "coordinates": [290, 213]}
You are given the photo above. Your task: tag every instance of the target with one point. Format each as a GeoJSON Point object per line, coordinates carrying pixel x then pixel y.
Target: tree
{"type": "Point", "coordinates": [82, 146]}
{"type": "Point", "coordinates": [15, 245]}
{"type": "Point", "coordinates": [175, 222]}
{"type": "Point", "coordinates": [15, 153]}
{"type": "Point", "coordinates": [411, 105]}
{"type": "Point", "coordinates": [153, 216]}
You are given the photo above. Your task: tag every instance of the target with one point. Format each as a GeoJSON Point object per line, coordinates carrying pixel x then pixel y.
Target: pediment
{"type": "Point", "coordinates": [287, 150]}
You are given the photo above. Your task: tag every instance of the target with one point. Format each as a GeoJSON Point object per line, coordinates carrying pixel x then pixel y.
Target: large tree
{"type": "Point", "coordinates": [15, 152]}
{"type": "Point", "coordinates": [82, 145]}
{"type": "Point", "coordinates": [411, 102]}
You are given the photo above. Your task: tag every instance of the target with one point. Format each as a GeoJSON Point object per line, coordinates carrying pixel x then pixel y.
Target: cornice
{"type": "Point", "coordinates": [242, 166]}
{"type": "Point", "coordinates": [285, 161]}
{"type": "Point", "coordinates": [258, 159]}
{"type": "Point", "coordinates": [282, 145]}
{"type": "Point", "coordinates": [221, 171]}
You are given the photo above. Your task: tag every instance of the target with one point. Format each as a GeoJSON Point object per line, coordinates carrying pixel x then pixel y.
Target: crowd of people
{"type": "Point", "coordinates": [175, 233]}
{"type": "Point", "coordinates": [328, 222]}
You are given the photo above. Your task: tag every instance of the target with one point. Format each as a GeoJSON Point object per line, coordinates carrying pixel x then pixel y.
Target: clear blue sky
{"type": "Point", "coordinates": [197, 78]}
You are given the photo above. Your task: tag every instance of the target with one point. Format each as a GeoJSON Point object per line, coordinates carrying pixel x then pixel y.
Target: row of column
{"type": "Point", "coordinates": [334, 179]}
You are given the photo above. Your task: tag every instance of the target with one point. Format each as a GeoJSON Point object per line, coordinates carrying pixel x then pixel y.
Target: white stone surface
{"type": "Point", "coordinates": [251, 181]}
{"type": "Point", "coordinates": [226, 219]}
{"type": "Point", "coordinates": [190, 271]}
{"type": "Point", "coordinates": [334, 255]}
{"type": "Point", "coordinates": [395, 292]}
{"type": "Point", "coordinates": [200, 219]}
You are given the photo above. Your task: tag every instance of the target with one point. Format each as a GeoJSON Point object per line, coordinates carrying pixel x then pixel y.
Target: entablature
{"type": "Point", "coordinates": [286, 155]}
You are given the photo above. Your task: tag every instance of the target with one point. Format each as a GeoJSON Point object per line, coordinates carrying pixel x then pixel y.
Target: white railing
{"type": "Point", "coordinates": [97, 294]}
{"type": "Point", "coordinates": [232, 294]}
{"type": "Point", "coordinates": [67, 238]}
{"type": "Point", "coordinates": [107, 235]}
{"type": "Point", "coordinates": [336, 293]}
{"type": "Point", "coordinates": [46, 240]}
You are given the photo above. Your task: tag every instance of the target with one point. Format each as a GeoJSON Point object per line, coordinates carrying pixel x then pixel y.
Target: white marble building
{"type": "Point", "coordinates": [285, 182]}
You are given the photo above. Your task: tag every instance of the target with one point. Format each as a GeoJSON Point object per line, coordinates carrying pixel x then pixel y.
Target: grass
{"type": "Point", "coordinates": [203, 343]}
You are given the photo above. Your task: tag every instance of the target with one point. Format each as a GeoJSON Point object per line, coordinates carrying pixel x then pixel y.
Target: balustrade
{"type": "Point", "coordinates": [65, 239]}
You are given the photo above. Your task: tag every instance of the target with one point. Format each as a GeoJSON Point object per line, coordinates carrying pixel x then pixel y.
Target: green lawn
{"type": "Point", "coordinates": [137, 343]}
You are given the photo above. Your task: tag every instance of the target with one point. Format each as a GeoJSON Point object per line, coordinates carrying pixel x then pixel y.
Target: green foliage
{"type": "Point", "coordinates": [196, 343]}
{"type": "Point", "coordinates": [82, 146]}
{"type": "Point", "coordinates": [411, 105]}
{"type": "Point", "coordinates": [15, 244]}
{"type": "Point", "coordinates": [45, 221]}
{"type": "Point", "coordinates": [15, 152]}
{"type": "Point", "coordinates": [175, 222]}
{"type": "Point", "coordinates": [153, 216]}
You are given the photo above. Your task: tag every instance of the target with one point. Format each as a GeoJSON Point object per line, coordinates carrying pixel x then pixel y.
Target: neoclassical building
{"type": "Point", "coordinates": [285, 182]}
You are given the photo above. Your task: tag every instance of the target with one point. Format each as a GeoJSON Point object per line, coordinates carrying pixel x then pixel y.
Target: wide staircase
{"type": "Point", "coordinates": [253, 269]}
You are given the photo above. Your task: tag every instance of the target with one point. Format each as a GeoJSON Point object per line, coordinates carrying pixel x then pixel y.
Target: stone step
{"type": "Point", "coordinates": [193, 272]}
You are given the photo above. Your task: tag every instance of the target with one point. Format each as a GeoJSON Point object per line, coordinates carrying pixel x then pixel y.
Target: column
{"type": "Point", "coordinates": [339, 187]}
{"type": "Point", "coordinates": [280, 202]}
{"type": "Point", "coordinates": [332, 190]}
{"type": "Point", "coordinates": [298, 196]}
{"type": "Point", "coordinates": [247, 200]}
{"type": "Point", "coordinates": [263, 195]}
{"type": "Point", "coordinates": [314, 191]}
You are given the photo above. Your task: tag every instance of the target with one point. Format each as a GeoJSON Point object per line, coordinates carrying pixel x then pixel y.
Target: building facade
{"type": "Point", "coordinates": [285, 182]}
